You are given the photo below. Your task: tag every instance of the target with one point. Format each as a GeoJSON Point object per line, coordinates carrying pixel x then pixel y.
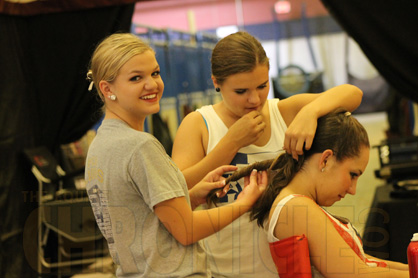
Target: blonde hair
{"type": "Point", "coordinates": [111, 54]}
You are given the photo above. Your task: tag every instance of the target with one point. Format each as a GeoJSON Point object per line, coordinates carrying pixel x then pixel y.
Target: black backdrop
{"type": "Point", "coordinates": [43, 101]}
{"type": "Point", "coordinates": [386, 31]}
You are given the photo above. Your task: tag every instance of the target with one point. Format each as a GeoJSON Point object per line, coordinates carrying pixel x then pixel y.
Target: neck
{"type": "Point", "coordinates": [135, 124]}
{"type": "Point", "coordinates": [302, 184]}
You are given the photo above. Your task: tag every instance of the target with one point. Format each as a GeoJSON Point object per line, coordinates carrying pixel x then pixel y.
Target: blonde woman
{"type": "Point", "coordinates": [139, 197]}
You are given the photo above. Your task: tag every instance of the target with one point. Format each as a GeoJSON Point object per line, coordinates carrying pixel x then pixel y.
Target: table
{"type": "Point", "coordinates": [392, 221]}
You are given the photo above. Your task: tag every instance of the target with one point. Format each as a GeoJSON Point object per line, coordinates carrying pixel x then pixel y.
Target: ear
{"type": "Point", "coordinates": [215, 84]}
{"type": "Point", "coordinates": [105, 88]}
{"type": "Point", "coordinates": [325, 157]}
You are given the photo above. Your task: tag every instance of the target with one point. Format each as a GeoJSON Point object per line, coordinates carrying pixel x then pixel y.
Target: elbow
{"type": "Point", "coordinates": [358, 91]}
{"type": "Point", "coordinates": [355, 91]}
{"type": "Point", "coordinates": [184, 240]}
{"type": "Point", "coordinates": [183, 237]}
{"type": "Point", "coordinates": [355, 95]}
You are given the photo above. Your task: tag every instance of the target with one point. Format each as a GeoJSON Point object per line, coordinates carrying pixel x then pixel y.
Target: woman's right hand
{"type": "Point", "coordinates": [254, 186]}
{"type": "Point", "coordinates": [247, 129]}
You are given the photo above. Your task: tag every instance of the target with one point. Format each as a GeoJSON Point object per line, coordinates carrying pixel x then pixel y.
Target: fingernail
{"type": "Point", "coordinates": [223, 182]}
{"type": "Point", "coordinates": [255, 170]}
{"type": "Point", "coordinates": [217, 194]}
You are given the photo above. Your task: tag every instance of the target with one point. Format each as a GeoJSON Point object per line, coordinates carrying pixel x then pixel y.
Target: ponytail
{"type": "Point", "coordinates": [280, 174]}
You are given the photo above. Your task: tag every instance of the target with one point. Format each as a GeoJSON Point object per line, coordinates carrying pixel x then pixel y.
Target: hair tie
{"type": "Point", "coordinates": [347, 113]}
{"type": "Point", "coordinates": [90, 78]}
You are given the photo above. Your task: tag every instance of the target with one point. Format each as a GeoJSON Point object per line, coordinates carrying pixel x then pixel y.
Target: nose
{"type": "Point", "coordinates": [254, 97]}
{"type": "Point", "coordinates": [150, 84]}
{"type": "Point", "coordinates": [352, 189]}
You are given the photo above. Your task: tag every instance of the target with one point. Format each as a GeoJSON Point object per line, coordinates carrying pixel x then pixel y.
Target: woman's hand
{"type": "Point", "coordinates": [254, 186]}
{"type": "Point", "coordinates": [300, 133]}
{"type": "Point", "coordinates": [212, 180]}
{"type": "Point", "coordinates": [247, 129]}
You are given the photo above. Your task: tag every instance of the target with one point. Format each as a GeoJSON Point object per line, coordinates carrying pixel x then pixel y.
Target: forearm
{"type": "Point", "coordinates": [222, 154]}
{"type": "Point", "coordinates": [208, 222]}
{"type": "Point", "coordinates": [345, 96]}
{"type": "Point", "coordinates": [391, 264]}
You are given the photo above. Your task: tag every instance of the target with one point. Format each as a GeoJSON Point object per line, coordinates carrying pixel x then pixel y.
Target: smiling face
{"type": "Point", "coordinates": [245, 92]}
{"type": "Point", "coordinates": [138, 88]}
{"type": "Point", "coordinates": [340, 178]}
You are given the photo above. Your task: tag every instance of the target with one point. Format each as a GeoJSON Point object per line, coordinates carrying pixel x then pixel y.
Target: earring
{"type": "Point", "coordinates": [112, 97]}
{"type": "Point", "coordinates": [218, 89]}
{"type": "Point", "coordinates": [323, 169]}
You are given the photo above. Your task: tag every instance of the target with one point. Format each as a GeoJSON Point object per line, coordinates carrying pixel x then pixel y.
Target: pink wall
{"type": "Point", "coordinates": [210, 14]}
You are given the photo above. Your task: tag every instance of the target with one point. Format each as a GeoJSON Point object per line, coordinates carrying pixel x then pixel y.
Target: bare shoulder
{"type": "Point", "coordinates": [193, 118]}
{"type": "Point", "coordinates": [192, 124]}
{"type": "Point", "coordinates": [296, 216]}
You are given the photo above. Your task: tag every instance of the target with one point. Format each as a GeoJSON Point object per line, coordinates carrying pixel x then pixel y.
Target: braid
{"type": "Point", "coordinates": [259, 166]}
{"type": "Point", "coordinates": [280, 171]}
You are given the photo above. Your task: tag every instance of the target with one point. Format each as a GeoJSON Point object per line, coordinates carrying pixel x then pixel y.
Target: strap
{"type": "Point", "coordinates": [275, 218]}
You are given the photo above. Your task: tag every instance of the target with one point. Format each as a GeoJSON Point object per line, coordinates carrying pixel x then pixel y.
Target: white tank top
{"type": "Point", "coordinates": [241, 249]}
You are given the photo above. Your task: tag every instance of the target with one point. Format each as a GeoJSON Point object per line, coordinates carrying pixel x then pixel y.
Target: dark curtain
{"type": "Point", "coordinates": [386, 32]}
{"type": "Point", "coordinates": [43, 101]}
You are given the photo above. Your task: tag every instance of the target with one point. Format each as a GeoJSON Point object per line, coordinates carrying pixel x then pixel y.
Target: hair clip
{"type": "Point", "coordinates": [90, 78]}
{"type": "Point", "coordinates": [347, 113]}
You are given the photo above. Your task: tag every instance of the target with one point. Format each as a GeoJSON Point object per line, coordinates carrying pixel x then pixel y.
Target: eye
{"type": "Point", "coordinates": [156, 73]}
{"type": "Point", "coordinates": [353, 175]}
{"type": "Point", "coordinates": [135, 78]}
{"type": "Point", "coordinates": [240, 91]}
{"type": "Point", "coordinates": [262, 86]}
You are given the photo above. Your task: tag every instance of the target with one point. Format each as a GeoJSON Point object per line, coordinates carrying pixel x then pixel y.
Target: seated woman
{"type": "Point", "coordinates": [298, 189]}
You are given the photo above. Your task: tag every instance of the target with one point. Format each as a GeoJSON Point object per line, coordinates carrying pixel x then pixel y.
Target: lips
{"type": "Point", "coordinates": [252, 108]}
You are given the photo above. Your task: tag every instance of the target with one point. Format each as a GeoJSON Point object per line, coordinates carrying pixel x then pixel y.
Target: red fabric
{"type": "Point", "coordinates": [291, 257]}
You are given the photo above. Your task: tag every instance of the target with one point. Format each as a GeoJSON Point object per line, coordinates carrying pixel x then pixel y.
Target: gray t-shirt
{"type": "Point", "coordinates": [127, 173]}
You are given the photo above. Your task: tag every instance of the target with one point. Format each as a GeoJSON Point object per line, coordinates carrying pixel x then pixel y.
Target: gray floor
{"type": "Point", "coordinates": [356, 207]}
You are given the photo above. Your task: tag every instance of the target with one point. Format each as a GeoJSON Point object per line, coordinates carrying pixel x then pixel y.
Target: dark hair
{"type": "Point", "coordinates": [237, 53]}
{"type": "Point", "coordinates": [337, 131]}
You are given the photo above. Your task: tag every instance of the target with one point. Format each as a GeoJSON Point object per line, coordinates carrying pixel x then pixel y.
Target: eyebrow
{"type": "Point", "coordinates": [264, 83]}
{"type": "Point", "coordinates": [139, 71]}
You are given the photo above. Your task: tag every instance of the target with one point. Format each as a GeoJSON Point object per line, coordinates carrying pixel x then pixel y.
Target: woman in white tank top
{"type": "Point", "coordinates": [243, 128]}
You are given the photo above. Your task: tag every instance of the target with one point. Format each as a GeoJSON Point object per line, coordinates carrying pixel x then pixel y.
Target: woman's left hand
{"type": "Point", "coordinates": [212, 180]}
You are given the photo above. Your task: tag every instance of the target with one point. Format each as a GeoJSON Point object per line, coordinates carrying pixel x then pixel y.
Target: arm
{"type": "Point", "coordinates": [189, 148]}
{"type": "Point", "coordinates": [391, 264]}
{"type": "Point", "coordinates": [189, 226]}
{"type": "Point", "coordinates": [301, 112]}
{"type": "Point", "coordinates": [329, 253]}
